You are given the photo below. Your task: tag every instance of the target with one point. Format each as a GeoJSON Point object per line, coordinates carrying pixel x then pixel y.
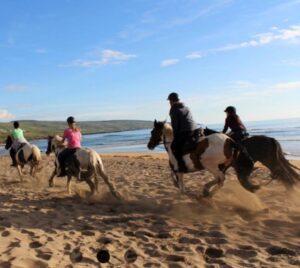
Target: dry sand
{"type": "Point", "coordinates": [42, 226]}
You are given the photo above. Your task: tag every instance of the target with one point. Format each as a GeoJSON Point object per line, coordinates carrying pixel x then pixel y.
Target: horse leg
{"type": "Point", "coordinates": [207, 186]}
{"type": "Point", "coordinates": [109, 184]}
{"type": "Point", "coordinates": [174, 179]}
{"type": "Point", "coordinates": [96, 182]}
{"type": "Point", "coordinates": [51, 180]}
{"type": "Point", "coordinates": [179, 177]}
{"type": "Point", "coordinates": [31, 169]}
{"type": "Point", "coordinates": [244, 181]}
{"type": "Point", "coordinates": [20, 172]}
{"type": "Point", "coordinates": [217, 183]}
{"type": "Point", "coordinates": [69, 184]}
{"type": "Point", "coordinates": [91, 184]}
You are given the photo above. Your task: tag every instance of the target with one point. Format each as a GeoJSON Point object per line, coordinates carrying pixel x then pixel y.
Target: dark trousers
{"type": "Point", "coordinates": [13, 153]}
{"type": "Point", "coordinates": [62, 159]}
{"type": "Point", "coordinates": [237, 136]}
{"type": "Point", "coordinates": [177, 145]}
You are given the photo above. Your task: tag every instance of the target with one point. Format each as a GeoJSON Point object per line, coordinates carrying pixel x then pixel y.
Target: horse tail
{"type": "Point", "coordinates": [36, 154]}
{"type": "Point", "coordinates": [293, 166]}
{"type": "Point", "coordinates": [284, 171]}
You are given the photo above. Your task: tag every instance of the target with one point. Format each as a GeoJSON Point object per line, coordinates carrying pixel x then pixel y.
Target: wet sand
{"type": "Point", "coordinates": [46, 227]}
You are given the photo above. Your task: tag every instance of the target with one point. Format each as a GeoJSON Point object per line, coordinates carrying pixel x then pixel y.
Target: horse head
{"type": "Point", "coordinates": [207, 131]}
{"type": "Point", "coordinates": [156, 134]}
{"type": "Point", "coordinates": [8, 142]}
{"type": "Point", "coordinates": [50, 146]}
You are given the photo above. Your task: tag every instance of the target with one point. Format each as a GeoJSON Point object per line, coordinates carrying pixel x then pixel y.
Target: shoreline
{"type": "Point", "coordinates": [153, 155]}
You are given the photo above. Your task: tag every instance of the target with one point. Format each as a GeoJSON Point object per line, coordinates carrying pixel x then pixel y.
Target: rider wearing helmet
{"type": "Point", "coordinates": [73, 136]}
{"type": "Point", "coordinates": [233, 121]}
{"type": "Point", "coordinates": [183, 128]}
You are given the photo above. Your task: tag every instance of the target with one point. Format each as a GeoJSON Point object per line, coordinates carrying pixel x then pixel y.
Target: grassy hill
{"type": "Point", "coordinates": [41, 129]}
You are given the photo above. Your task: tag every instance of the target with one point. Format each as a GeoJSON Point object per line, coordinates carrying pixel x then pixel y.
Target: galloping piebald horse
{"type": "Point", "coordinates": [84, 164]}
{"type": "Point", "coordinates": [214, 153]}
{"type": "Point", "coordinates": [26, 154]}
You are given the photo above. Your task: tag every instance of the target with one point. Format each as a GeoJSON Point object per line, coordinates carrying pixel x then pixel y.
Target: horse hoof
{"type": "Point", "coordinates": [206, 193]}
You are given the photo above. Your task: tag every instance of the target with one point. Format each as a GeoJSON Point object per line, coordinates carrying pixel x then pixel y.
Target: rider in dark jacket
{"type": "Point", "coordinates": [183, 128]}
{"type": "Point", "coordinates": [233, 121]}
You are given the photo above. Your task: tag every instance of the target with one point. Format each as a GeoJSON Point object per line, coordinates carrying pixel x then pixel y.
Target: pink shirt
{"type": "Point", "coordinates": [73, 137]}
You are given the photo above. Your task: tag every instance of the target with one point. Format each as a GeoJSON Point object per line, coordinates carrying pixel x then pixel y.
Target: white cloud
{"type": "Point", "coordinates": [168, 62]}
{"type": "Point", "coordinates": [194, 56]}
{"type": "Point", "coordinates": [292, 33]}
{"type": "Point", "coordinates": [108, 56]}
{"type": "Point", "coordinates": [291, 62]}
{"type": "Point", "coordinates": [4, 114]}
{"type": "Point", "coordinates": [15, 88]}
{"type": "Point", "coordinates": [287, 86]}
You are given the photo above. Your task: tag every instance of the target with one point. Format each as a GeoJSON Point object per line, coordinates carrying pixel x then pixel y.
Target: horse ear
{"type": "Point", "coordinates": [155, 123]}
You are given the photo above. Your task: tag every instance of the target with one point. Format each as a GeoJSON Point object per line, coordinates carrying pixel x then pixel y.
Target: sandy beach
{"type": "Point", "coordinates": [154, 225]}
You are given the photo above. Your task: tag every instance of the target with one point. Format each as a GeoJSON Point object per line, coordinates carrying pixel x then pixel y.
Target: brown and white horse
{"type": "Point", "coordinates": [84, 164]}
{"type": "Point", "coordinates": [27, 154]}
{"type": "Point", "coordinates": [214, 153]}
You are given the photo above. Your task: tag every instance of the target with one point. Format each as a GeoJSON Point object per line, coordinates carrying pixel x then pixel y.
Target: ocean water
{"type": "Point", "coordinates": [287, 132]}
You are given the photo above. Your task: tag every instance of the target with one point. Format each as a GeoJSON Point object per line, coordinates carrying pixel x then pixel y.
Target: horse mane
{"type": "Point", "coordinates": [58, 140]}
{"type": "Point", "coordinates": [168, 130]}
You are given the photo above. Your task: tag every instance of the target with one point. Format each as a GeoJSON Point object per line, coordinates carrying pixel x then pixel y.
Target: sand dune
{"type": "Point", "coordinates": [154, 226]}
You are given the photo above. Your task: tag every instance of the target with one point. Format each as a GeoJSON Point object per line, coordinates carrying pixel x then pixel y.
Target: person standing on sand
{"type": "Point", "coordinates": [73, 136]}
{"type": "Point", "coordinates": [233, 121]}
{"type": "Point", "coordinates": [18, 139]}
{"type": "Point", "coordinates": [183, 128]}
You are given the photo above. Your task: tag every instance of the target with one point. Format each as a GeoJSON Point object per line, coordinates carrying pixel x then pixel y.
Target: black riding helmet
{"type": "Point", "coordinates": [16, 124]}
{"type": "Point", "coordinates": [173, 97]}
{"type": "Point", "coordinates": [71, 120]}
{"type": "Point", "coordinates": [230, 109]}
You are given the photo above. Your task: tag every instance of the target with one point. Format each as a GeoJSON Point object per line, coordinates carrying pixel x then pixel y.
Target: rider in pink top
{"type": "Point", "coordinates": [73, 136]}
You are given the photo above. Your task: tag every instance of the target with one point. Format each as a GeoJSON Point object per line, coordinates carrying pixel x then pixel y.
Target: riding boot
{"type": "Point", "coordinates": [180, 162]}
{"type": "Point", "coordinates": [12, 153]}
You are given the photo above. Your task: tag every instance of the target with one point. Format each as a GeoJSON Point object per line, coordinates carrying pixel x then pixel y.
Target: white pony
{"type": "Point", "coordinates": [214, 153]}
{"type": "Point", "coordinates": [84, 164]}
{"type": "Point", "coordinates": [26, 154]}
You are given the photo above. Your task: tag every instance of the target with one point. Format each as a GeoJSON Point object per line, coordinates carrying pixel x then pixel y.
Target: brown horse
{"type": "Point", "coordinates": [267, 151]}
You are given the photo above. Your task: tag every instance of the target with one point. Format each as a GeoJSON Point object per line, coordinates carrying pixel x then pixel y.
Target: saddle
{"type": "Point", "coordinates": [190, 145]}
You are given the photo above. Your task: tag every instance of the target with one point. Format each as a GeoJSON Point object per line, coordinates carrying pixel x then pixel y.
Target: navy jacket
{"type": "Point", "coordinates": [181, 119]}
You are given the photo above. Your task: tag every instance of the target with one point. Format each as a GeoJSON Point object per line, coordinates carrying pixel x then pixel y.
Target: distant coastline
{"type": "Point", "coordinates": [34, 129]}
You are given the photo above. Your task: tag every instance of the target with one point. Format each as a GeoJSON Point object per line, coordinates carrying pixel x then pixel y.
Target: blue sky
{"type": "Point", "coordinates": [102, 60]}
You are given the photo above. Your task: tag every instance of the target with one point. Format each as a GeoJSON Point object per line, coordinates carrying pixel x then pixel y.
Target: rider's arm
{"type": "Point", "coordinates": [225, 126]}
{"type": "Point", "coordinates": [174, 121]}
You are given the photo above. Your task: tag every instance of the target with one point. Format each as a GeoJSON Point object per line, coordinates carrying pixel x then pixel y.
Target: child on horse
{"type": "Point", "coordinates": [18, 139]}
{"type": "Point", "coordinates": [73, 136]}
